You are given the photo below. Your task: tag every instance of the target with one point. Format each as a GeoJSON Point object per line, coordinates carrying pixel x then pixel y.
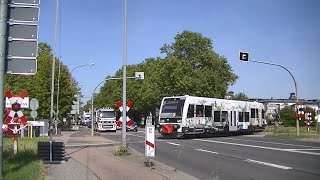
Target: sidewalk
{"type": "Point", "coordinates": [91, 158]}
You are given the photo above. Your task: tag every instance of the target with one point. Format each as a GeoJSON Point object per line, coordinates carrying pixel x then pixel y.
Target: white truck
{"type": "Point", "coordinates": [86, 118]}
{"type": "Point", "coordinates": [105, 120]}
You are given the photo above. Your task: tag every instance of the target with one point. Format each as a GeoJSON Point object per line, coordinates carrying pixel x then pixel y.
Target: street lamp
{"type": "Point", "coordinates": [137, 76]}
{"type": "Point", "coordinates": [244, 56]}
{"type": "Point", "coordinates": [91, 64]}
{"type": "Point", "coordinates": [71, 82]}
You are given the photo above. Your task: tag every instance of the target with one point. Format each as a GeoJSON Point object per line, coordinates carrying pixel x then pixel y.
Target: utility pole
{"type": "Point", "coordinates": [3, 42]}
{"type": "Point", "coordinates": [124, 79]}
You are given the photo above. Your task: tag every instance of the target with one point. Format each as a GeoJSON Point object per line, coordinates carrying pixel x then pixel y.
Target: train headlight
{"type": "Point", "coordinates": [175, 126]}
{"type": "Point", "coordinates": [162, 121]}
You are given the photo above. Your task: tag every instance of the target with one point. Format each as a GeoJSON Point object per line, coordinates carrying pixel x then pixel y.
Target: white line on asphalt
{"type": "Point", "coordinates": [203, 150]}
{"type": "Point", "coordinates": [268, 164]}
{"type": "Point", "coordinates": [136, 135]}
{"type": "Point", "coordinates": [143, 137]}
{"type": "Point", "coordinates": [253, 146]}
{"type": "Point", "coordinates": [303, 149]}
{"type": "Point", "coordinates": [270, 142]}
{"type": "Point", "coordinates": [173, 144]}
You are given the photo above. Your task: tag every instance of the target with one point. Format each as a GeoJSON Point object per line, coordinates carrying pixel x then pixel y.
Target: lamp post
{"type": "Point", "coordinates": [84, 65]}
{"type": "Point", "coordinates": [138, 76]}
{"type": "Point", "coordinates": [244, 56]}
{"type": "Point", "coordinates": [91, 64]}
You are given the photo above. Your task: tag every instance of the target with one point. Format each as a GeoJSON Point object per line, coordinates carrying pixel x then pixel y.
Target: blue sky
{"type": "Point", "coordinates": [285, 32]}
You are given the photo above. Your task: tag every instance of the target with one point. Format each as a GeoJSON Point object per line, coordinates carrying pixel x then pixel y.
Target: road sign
{"type": "Point", "coordinates": [22, 66]}
{"type": "Point", "coordinates": [23, 31]}
{"type": "Point", "coordinates": [139, 75]}
{"type": "Point", "coordinates": [56, 120]}
{"type": "Point", "coordinates": [23, 13]}
{"type": "Point", "coordinates": [22, 49]}
{"type": "Point", "coordinates": [73, 111]}
{"type": "Point", "coordinates": [16, 107]}
{"type": "Point", "coordinates": [33, 114]}
{"type": "Point", "coordinates": [22, 44]}
{"type": "Point", "coordinates": [34, 104]}
{"type": "Point", "coordinates": [244, 56]}
{"type": "Point", "coordinates": [24, 2]}
{"type": "Point", "coordinates": [24, 104]}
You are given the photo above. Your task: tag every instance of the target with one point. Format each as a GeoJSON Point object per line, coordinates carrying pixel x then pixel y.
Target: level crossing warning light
{"type": "Point", "coordinates": [300, 110]}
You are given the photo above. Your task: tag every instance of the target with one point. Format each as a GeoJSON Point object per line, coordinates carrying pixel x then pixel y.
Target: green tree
{"type": "Point", "coordinates": [288, 116]}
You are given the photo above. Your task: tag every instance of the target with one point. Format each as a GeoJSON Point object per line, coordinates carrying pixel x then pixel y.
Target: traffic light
{"type": "Point", "coordinates": [244, 56]}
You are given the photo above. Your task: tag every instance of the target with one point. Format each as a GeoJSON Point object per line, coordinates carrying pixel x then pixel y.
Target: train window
{"type": "Point", "coordinates": [190, 111]}
{"type": "Point", "coordinates": [254, 113]}
{"type": "Point", "coordinates": [216, 116]}
{"type": "Point", "coordinates": [199, 110]}
{"type": "Point", "coordinates": [224, 116]}
{"type": "Point", "coordinates": [240, 116]}
{"type": "Point", "coordinates": [208, 111]}
{"type": "Point", "coordinates": [246, 117]}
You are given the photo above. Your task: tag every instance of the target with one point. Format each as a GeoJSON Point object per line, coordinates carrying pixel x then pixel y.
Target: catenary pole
{"type": "Point", "coordinates": [52, 75]}
{"type": "Point", "coordinates": [3, 42]}
{"type": "Point", "coordinates": [124, 79]}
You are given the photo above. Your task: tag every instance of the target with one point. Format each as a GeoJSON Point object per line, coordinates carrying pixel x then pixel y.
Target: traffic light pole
{"type": "Point", "coordinates": [3, 42]}
{"type": "Point", "coordinates": [295, 85]}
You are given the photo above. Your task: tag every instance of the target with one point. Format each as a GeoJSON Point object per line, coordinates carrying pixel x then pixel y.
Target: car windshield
{"type": "Point", "coordinates": [106, 114]}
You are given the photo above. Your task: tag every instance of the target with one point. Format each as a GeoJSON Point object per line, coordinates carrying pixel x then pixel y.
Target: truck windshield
{"type": "Point", "coordinates": [172, 108]}
{"type": "Point", "coordinates": [106, 114]}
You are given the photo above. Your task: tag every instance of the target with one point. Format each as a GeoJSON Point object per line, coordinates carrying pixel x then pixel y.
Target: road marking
{"type": "Point", "coordinates": [268, 164]}
{"type": "Point", "coordinates": [144, 137]}
{"type": "Point", "coordinates": [303, 149]}
{"type": "Point", "coordinates": [271, 142]}
{"type": "Point", "coordinates": [173, 144]}
{"type": "Point", "coordinates": [254, 146]}
{"type": "Point", "coordinates": [203, 150]}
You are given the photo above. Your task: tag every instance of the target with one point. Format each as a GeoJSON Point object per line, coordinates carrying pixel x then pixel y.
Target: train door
{"type": "Point", "coordinates": [233, 121]}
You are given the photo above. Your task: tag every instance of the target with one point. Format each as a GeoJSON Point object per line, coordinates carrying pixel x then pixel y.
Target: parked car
{"type": "Point", "coordinates": [133, 127]}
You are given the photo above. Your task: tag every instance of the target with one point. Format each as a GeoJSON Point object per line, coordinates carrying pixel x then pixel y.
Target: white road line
{"type": "Point", "coordinates": [144, 137]}
{"type": "Point", "coordinates": [203, 150]}
{"type": "Point", "coordinates": [173, 144]}
{"type": "Point", "coordinates": [303, 149]}
{"type": "Point", "coordinates": [268, 164]}
{"type": "Point", "coordinates": [271, 142]}
{"type": "Point", "coordinates": [253, 146]}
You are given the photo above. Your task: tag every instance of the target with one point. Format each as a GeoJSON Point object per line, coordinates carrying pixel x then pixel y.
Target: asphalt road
{"type": "Point", "coordinates": [234, 157]}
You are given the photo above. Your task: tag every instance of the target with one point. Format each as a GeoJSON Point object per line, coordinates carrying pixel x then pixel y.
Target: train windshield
{"type": "Point", "coordinates": [172, 108]}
